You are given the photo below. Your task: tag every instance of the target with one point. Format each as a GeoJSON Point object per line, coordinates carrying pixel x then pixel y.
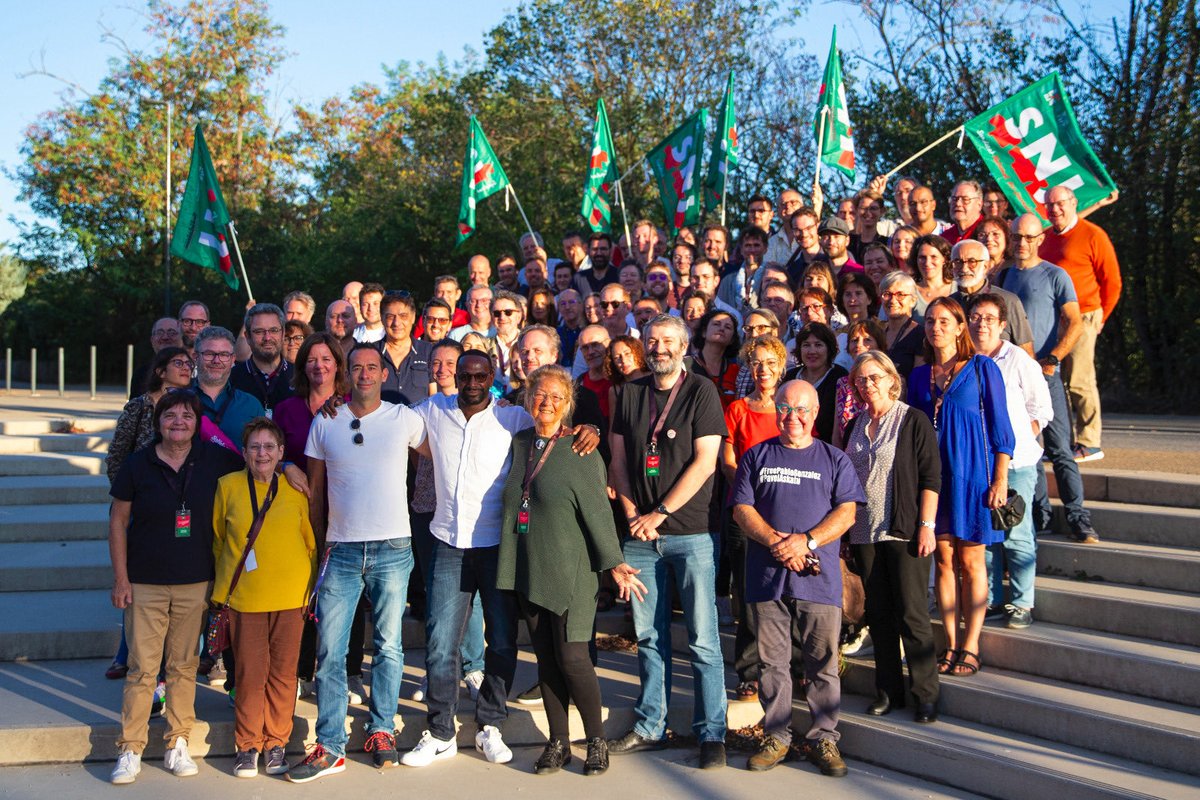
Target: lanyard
{"type": "Point", "coordinates": [267, 384]}
{"type": "Point", "coordinates": [529, 476]}
{"type": "Point", "coordinates": [661, 419]}
{"type": "Point", "coordinates": [178, 481]}
{"type": "Point", "coordinates": [271, 491]}
{"type": "Point", "coordinates": [219, 414]}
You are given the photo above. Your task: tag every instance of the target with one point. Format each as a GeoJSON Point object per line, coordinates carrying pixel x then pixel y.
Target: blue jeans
{"type": "Point", "coordinates": [693, 561]}
{"type": "Point", "coordinates": [1018, 551]}
{"type": "Point", "coordinates": [472, 647]}
{"type": "Point", "coordinates": [382, 569]}
{"type": "Point", "coordinates": [1056, 438]}
{"type": "Point", "coordinates": [458, 576]}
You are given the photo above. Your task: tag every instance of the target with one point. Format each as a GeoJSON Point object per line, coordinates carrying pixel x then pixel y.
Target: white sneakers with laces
{"type": "Point", "coordinates": [430, 749]}
{"type": "Point", "coordinates": [179, 761]}
{"type": "Point", "coordinates": [129, 764]}
{"type": "Point", "coordinates": [489, 742]}
{"type": "Point", "coordinates": [474, 681]}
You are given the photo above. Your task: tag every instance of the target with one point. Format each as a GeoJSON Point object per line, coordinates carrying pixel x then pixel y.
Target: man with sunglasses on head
{"type": "Point", "coordinates": [408, 380]}
{"type": "Point", "coordinates": [358, 475]}
{"type": "Point", "coordinates": [266, 374]}
{"type": "Point", "coordinates": [225, 405]}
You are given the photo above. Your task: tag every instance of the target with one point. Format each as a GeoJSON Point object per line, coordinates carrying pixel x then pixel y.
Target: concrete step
{"type": "Point", "coordinates": [55, 566]}
{"type": "Point", "coordinates": [1120, 562]}
{"type": "Point", "coordinates": [1120, 486]}
{"type": "Point", "coordinates": [1149, 731]}
{"type": "Point", "coordinates": [1144, 524]}
{"type": "Point", "coordinates": [52, 464]}
{"type": "Point", "coordinates": [100, 421]}
{"type": "Point", "coordinates": [997, 763]}
{"type": "Point", "coordinates": [1106, 661]}
{"type": "Point", "coordinates": [53, 489]}
{"type": "Point", "coordinates": [1116, 608]}
{"type": "Point", "coordinates": [45, 523]}
{"type": "Point", "coordinates": [36, 626]}
{"type": "Point", "coordinates": [56, 443]}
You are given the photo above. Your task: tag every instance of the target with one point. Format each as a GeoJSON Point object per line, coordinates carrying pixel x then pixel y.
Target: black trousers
{"type": "Point", "coordinates": [746, 661]}
{"type": "Point", "coordinates": [896, 582]}
{"type": "Point", "coordinates": [565, 673]}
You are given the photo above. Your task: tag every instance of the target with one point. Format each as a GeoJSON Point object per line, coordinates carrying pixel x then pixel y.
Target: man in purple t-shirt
{"type": "Point", "coordinates": [794, 496]}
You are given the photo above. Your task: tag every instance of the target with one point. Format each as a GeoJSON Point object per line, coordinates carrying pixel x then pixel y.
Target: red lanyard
{"type": "Point", "coordinates": [529, 476]}
{"type": "Point", "coordinates": [661, 419]}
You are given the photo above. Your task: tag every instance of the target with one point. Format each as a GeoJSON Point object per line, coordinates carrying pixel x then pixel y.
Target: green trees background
{"type": "Point", "coordinates": [366, 185]}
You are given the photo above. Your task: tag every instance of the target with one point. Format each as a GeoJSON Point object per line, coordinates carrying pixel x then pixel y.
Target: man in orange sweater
{"type": "Point", "coordinates": [1084, 250]}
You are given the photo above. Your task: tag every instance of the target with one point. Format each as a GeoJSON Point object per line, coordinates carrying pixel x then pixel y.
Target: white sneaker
{"type": "Point", "coordinates": [129, 764]}
{"type": "Point", "coordinates": [489, 742]}
{"type": "Point", "coordinates": [422, 689]}
{"type": "Point", "coordinates": [474, 681]}
{"type": "Point", "coordinates": [357, 693]}
{"type": "Point", "coordinates": [430, 749]}
{"type": "Point", "coordinates": [179, 761]}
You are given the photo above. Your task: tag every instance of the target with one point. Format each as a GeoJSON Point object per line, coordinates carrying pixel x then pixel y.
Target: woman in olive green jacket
{"type": "Point", "coordinates": [557, 535]}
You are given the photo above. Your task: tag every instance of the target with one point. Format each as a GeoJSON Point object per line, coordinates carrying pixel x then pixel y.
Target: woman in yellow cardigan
{"type": "Point", "coordinates": [267, 607]}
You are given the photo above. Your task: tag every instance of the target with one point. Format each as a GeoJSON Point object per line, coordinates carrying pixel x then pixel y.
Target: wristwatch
{"type": "Point", "coordinates": [1052, 360]}
{"type": "Point", "coordinates": [662, 509]}
{"type": "Point", "coordinates": [927, 524]}
{"type": "Point", "coordinates": [812, 543]}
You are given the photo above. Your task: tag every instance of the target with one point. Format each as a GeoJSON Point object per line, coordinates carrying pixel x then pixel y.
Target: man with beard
{"type": "Point", "coordinates": [601, 274]}
{"type": "Point", "coordinates": [266, 374]}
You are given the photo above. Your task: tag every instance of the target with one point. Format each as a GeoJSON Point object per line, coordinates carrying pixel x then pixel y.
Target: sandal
{"type": "Point", "coordinates": [964, 668]}
{"type": "Point", "coordinates": [946, 661]}
{"type": "Point", "coordinates": [746, 692]}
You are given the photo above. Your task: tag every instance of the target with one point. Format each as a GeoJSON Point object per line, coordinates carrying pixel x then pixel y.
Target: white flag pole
{"type": "Point", "coordinates": [624, 217]}
{"type": "Point", "coordinates": [238, 251]}
{"type": "Point", "coordinates": [923, 151]}
{"type": "Point", "coordinates": [517, 200]}
{"type": "Point", "coordinates": [820, 149]}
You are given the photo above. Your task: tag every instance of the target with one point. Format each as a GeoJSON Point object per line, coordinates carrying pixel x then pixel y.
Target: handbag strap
{"type": "Point", "coordinates": [255, 527]}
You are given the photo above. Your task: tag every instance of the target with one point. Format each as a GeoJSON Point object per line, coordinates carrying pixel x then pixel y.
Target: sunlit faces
{"type": "Point", "coordinates": [860, 342]}
{"type": "Point", "coordinates": [441, 367]}
{"type": "Point", "coordinates": [665, 348]}
{"type": "Point", "coordinates": [922, 205]}
{"type": "Point", "coordinates": [593, 343]}
{"type": "Point", "coordinates": [591, 309]}
{"type": "Point", "coordinates": [845, 212]}
{"type": "Point", "coordinates": [506, 271]}
{"type": "Point", "coordinates": [367, 372]}
{"type": "Point", "coordinates": [872, 383]}
{"type": "Point", "coordinates": [876, 264]}
{"type": "Point", "coordinates": [263, 452]}
{"type": "Point", "coordinates": [931, 264]}
{"type": "Point", "coordinates": [437, 323]}
{"type": "Point", "coordinates": [704, 278]}
{"type": "Point", "coordinates": [720, 330]}
{"type": "Point", "coordinates": [901, 245]}
{"type": "Point", "coordinates": [856, 302]}
{"type": "Point", "coordinates": [995, 204]}
{"type": "Point", "coordinates": [966, 203]}
{"type": "Point", "coordinates": [970, 264]}
{"type": "Point", "coordinates": [693, 310]}
{"type": "Point", "coordinates": [536, 349]}
{"type": "Point", "coordinates": [804, 233]}
{"type": "Point", "coordinates": [369, 305]}
{"type": "Point", "coordinates": [942, 330]}
{"type": "Point", "coordinates": [1028, 233]}
{"type": "Point", "coordinates": [985, 325]}
{"type": "Point", "coordinates": [320, 367]}
{"type": "Point", "coordinates": [624, 359]}
{"type": "Point", "coordinates": [766, 368]}
{"type": "Point", "coordinates": [1061, 207]}
{"type": "Point", "coordinates": [506, 316]}
{"type": "Point", "coordinates": [398, 319]}
{"type": "Point", "coordinates": [714, 246]}
{"type": "Point", "coordinates": [814, 355]}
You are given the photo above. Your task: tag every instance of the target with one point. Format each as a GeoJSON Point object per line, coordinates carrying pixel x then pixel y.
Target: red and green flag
{"type": "Point", "coordinates": [1031, 143]}
{"type": "Point", "coordinates": [199, 235]}
{"type": "Point", "coordinates": [725, 148]}
{"type": "Point", "coordinates": [836, 140]}
{"type": "Point", "coordinates": [482, 177]}
{"type": "Point", "coordinates": [601, 175]}
{"type": "Point", "coordinates": [674, 163]}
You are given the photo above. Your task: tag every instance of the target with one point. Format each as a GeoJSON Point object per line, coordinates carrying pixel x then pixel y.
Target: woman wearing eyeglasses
{"type": "Point", "coordinates": [894, 451]}
{"type": "Point", "coordinates": [557, 535]}
{"type": "Point", "coordinates": [294, 334]}
{"type": "Point", "coordinates": [905, 343]}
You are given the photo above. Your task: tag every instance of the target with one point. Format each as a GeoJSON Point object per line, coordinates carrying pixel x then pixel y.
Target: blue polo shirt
{"type": "Point", "coordinates": [231, 410]}
{"type": "Point", "coordinates": [407, 382]}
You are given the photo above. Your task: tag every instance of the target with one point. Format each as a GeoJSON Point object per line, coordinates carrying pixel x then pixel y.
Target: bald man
{"type": "Point", "coordinates": [350, 293]}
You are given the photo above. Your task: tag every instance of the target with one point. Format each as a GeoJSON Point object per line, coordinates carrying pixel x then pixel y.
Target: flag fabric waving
{"type": "Point", "coordinates": [837, 144]}
{"type": "Point", "coordinates": [725, 148]}
{"type": "Point", "coordinates": [199, 235]}
{"type": "Point", "coordinates": [482, 177]}
{"type": "Point", "coordinates": [601, 174]}
{"type": "Point", "coordinates": [673, 162]}
{"type": "Point", "coordinates": [1031, 143]}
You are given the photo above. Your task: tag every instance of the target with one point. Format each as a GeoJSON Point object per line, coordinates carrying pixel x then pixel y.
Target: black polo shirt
{"type": "Point", "coordinates": [154, 553]}
{"type": "Point", "coordinates": [696, 413]}
{"type": "Point", "coordinates": [407, 382]}
{"type": "Point", "coordinates": [588, 282]}
{"type": "Point", "coordinates": [271, 389]}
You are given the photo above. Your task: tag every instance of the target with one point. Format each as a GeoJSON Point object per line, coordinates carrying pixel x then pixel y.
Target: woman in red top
{"type": "Point", "coordinates": [715, 349]}
{"type": "Point", "coordinates": [750, 420]}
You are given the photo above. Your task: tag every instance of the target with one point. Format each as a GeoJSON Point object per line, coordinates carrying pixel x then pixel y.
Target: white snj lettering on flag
{"type": "Point", "coordinates": [787, 475]}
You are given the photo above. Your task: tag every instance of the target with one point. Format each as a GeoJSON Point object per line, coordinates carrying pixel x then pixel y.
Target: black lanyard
{"type": "Point", "coordinates": [219, 414]}
{"type": "Point", "coordinates": [271, 490]}
{"type": "Point", "coordinates": [267, 383]}
{"type": "Point", "coordinates": [661, 419]}
{"type": "Point", "coordinates": [179, 481]}
{"type": "Point", "coordinates": [529, 476]}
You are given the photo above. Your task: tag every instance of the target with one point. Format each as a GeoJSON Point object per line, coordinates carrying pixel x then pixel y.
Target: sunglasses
{"type": "Point", "coordinates": [505, 312]}
{"type": "Point", "coordinates": [355, 424]}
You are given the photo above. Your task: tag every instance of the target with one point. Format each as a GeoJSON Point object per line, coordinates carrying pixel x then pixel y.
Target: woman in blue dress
{"type": "Point", "coordinates": [963, 394]}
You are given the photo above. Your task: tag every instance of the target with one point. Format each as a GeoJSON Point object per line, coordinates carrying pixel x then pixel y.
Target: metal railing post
{"type": "Point", "coordinates": [33, 372]}
{"type": "Point", "coordinates": [92, 373]}
{"type": "Point", "coordinates": [62, 373]}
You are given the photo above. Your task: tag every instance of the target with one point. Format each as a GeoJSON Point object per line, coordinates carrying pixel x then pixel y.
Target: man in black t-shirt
{"type": "Point", "coordinates": [667, 431]}
{"type": "Point", "coordinates": [266, 375]}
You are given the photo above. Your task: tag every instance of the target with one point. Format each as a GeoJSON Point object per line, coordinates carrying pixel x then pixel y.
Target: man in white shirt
{"type": "Point", "coordinates": [358, 460]}
{"type": "Point", "coordinates": [371, 329]}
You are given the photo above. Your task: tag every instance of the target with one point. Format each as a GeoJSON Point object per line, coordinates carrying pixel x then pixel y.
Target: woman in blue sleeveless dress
{"type": "Point", "coordinates": [963, 394]}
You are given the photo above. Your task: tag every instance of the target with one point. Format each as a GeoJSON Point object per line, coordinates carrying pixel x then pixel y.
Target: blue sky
{"type": "Point", "coordinates": [334, 46]}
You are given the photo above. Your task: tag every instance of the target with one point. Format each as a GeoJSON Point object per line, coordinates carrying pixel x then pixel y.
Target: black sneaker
{"type": "Point", "coordinates": [597, 756]}
{"type": "Point", "coordinates": [382, 746]}
{"type": "Point", "coordinates": [531, 696]}
{"type": "Point", "coordinates": [825, 755]}
{"type": "Point", "coordinates": [276, 761]}
{"type": "Point", "coordinates": [556, 755]}
{"type": "Point", "coordinates": [245, 763]}
{"type": "Point", "coordinates": [1085, 533]}
{"type": "Point", "coordinates": [712, 755]}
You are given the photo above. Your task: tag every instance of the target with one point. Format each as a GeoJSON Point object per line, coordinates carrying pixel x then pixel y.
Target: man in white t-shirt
{"type": "Point", "coordinates": [358, 459]}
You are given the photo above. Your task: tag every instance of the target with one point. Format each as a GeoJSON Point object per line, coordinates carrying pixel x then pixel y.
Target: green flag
{"type": "Point", "coordinates": [1031, 143]}
{"type": "Point", "coordinates": [674, 163]}
{"type": "Point", "coordinates": [482, 177]}
{"type": "Point", "coordinates": [837, 143]}
{"type": "Point", "coordinates": [199, 235]}
{"type": "Point", "coordinates": [725, 148]}
{"type": "Point", "coordinates": [602, 173]}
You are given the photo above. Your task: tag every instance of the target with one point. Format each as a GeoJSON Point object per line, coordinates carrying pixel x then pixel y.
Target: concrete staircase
{"type": "Point", "coordinates": [1100, 698]}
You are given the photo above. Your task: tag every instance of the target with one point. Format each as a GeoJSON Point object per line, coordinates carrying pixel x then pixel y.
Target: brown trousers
{"type": "Point", "coordinates": [162, 621]}
{"type": "Point", "coordinates": [266, 645]}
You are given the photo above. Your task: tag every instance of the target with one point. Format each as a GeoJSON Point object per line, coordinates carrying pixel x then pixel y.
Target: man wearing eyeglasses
{"type": "Point", "coordinates": [266, 374]}
{"type": "Point", "coordinates": [165, 333]}
{"type": "Point", "coordinates": [966, 209]}
{"type": "Point", "coordinates": [781, 245]}
{"type": "Point", "coordinates": [794, 497]}
{"type": "Point", "coordinates": [193, 318]}
{"type": "Point", "coordinates": [479, 314]}
{"type": "Point", "coordinates": [922, 207]}
{"type": "Point", "coordinates": [358, 475]}
{"type": "Point", "coordinates": [803, 224]}
{"type": "Point", "coordinates": [969, 260]}
{"type": "Point", "coordinates": [226, 406]}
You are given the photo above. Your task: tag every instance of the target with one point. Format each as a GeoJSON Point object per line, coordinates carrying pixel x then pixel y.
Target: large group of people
{"type": "Point", "coordinates": [727, 427]}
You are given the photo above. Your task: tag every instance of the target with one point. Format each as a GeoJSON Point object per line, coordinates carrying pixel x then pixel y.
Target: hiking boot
{"type": "Point", "coordinates": [769, 754]}
{"type": "Point", "coordinates": [824, 754]}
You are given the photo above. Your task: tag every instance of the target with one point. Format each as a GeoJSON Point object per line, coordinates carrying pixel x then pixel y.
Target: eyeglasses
{"type": "Point", "coordinates": [505, 312]}
{"type": "Point", "coordinates": [759, 210]}
{"type": "Point", "coordinates": [436, 320]}
{"type": "Point", "coordinates": [658, 276]}
{"type": "Point", "coordinates": [216, 357]}
{"type": "Point", "coordinates": [355, 424]}
{"type": "Point", "coordinates": [164, 331]}
{"type": "Point", "coordinates": [297, 339]}
{"type": "Point", "coordinates": [181, 363]}
{"type": "Point", "coordinates": [555, 399]}
{"type": "Point", "coordinates": [813, 308]}
{"type": "Point", "coordinates": [1024, 237]}
{"type": "Point", "coordinates": [193, 323]}
{"type": "Point", "coordinates": [964, 198]}
{"type": "Point", "coordinates": [265, 447]}
{"type": "Point", "coordinates": [872, 380]}
{"type": "Point", "coordinates": [984, 319]}
{"type": "Point", "coordinates": [767, 363]}
{"type": "Point", "coordinates": [784, 410]}
{"type": "Point", "coordinates": [896, 295]}
{"type": "Point", "coordinates": [260, 332]}
{"type": "Point", "coordinates": [968, 262]}
{"type": "Point", "coordinates": [755, 330]}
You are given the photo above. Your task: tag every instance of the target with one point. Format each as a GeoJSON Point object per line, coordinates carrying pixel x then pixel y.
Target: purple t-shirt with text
{"type": "Point", "coordinates": [794, 490]}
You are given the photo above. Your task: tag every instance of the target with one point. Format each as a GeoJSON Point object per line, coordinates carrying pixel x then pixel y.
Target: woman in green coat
{"type": "Point", "coordinates": [558, 534]}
